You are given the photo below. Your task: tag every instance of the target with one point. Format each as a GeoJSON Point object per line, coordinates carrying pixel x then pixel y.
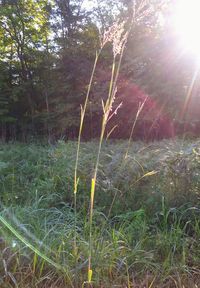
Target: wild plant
{"type": "Point", "coordinates": [118, 36]}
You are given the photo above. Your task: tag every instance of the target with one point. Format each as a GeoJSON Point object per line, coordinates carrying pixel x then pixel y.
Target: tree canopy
{"type": "Point", "coordinates": [47, 51]}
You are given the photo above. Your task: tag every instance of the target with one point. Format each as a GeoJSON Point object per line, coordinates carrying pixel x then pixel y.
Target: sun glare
{"type": "Point", "coordinates": [187, 24]}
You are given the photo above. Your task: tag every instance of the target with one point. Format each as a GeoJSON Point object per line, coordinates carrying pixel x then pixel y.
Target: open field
{"type": "Point", "coordinates": [146, 224]}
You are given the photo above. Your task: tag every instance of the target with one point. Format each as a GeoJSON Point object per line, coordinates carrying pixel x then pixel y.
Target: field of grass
{"type": "Point", "coordinates": [146, 223]}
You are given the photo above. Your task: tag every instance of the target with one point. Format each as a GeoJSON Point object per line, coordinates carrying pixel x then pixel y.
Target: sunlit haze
{"type": "Point", "coordinates": [187, 24]}
{"type": "Point", "coordinates": [88, 4]}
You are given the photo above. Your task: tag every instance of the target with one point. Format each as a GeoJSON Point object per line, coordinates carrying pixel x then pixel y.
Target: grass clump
{"type": "Point", "coordinates": [145, 225]}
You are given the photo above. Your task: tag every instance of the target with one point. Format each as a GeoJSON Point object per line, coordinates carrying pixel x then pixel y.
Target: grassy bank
{"type": "Point", "coordinates": [146, 224]}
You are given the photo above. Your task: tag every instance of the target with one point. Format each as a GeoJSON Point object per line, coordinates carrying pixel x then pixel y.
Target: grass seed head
{"type": "Point", "coordinates": [119, 40]}
{"type": "Point", "coordinates": [115, 34]}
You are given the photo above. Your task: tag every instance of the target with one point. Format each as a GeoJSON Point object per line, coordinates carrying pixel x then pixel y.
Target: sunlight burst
{"type": "Point", "coordinates": [187, 24]}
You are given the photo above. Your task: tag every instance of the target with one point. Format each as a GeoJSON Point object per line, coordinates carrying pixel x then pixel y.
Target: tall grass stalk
{"type": "Point", "coordinates": [83, 111]}
{"type": "Point", "coordinates": [107, 109]}
{"type": "Point", "coordinates": [140, 108]}
{"type": "Point", "coordinates": [119, 39]}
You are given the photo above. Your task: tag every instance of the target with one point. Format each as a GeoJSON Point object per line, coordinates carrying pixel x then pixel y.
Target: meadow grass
{"type": "Point", "coordinates": [130, 218]}
{"type": "Point", "coordinates": [70, 218]}
{"type": "Point", "coordinates": [145, 228]}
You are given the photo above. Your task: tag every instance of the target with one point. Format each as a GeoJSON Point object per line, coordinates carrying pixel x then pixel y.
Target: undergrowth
{"type": "Point", "coordinates": [145, 223]}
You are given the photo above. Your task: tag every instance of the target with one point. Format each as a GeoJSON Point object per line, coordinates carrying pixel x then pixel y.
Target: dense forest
{"type": "Point", "coordinates": [47, 51]}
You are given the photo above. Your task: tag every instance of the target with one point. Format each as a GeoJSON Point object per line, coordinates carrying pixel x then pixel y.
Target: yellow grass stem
{"type": "Point", "coordinates": [76, 179]}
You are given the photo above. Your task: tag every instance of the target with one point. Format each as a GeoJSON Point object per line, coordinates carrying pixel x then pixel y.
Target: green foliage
{"type": "Point", "coordinates": [47, 51]}
{"type": "Point", "coordinates": [43, 171]}
{"type": "Point", "coordinates": [142, 225]}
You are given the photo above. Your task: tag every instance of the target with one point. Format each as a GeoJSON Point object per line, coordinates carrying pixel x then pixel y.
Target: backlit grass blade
{"type": "Point", "coordinates": [29, 245]}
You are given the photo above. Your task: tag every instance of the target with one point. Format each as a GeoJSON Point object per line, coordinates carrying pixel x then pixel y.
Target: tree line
{"type": "Point", "coordinates": [47, 51]}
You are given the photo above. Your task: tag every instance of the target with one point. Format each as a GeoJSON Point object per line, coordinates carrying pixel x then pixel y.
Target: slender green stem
{"type": "Point", "coordinates": [141, 106]}
{"type": "Point", "coordinates": [106, 110]}
{"type": "Point", "coordinates": [83, 111]}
